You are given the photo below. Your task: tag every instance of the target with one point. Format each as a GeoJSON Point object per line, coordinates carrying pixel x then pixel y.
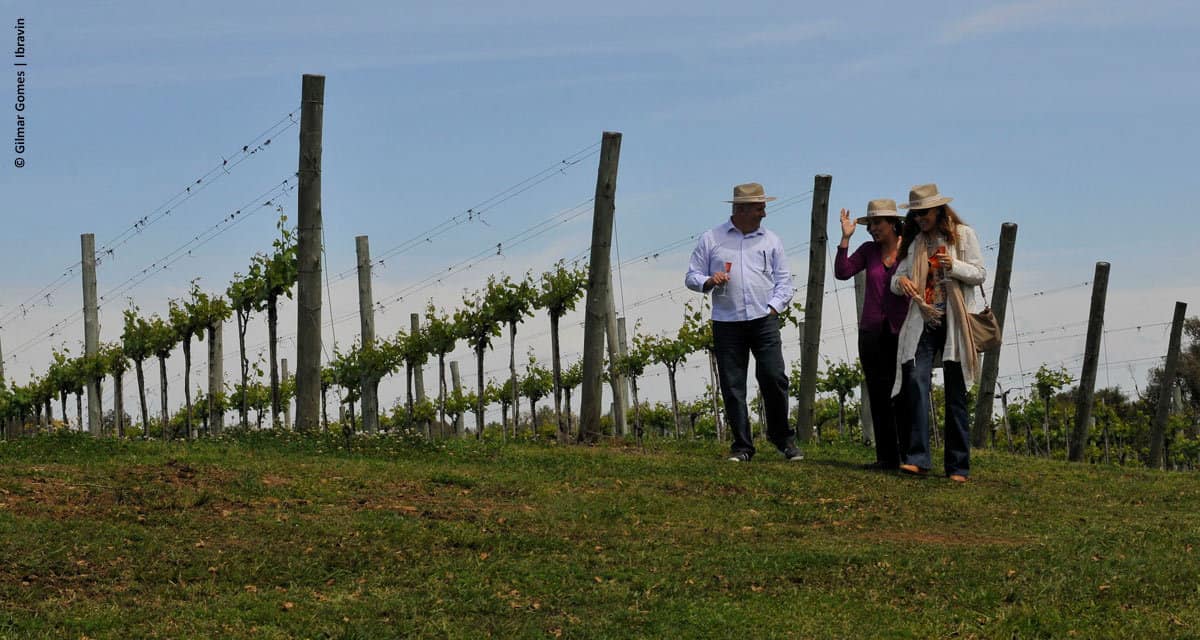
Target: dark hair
{"type": "Point", "coordinates": [898, 227]}
{"type": "Point", "coordinates": [897, 224]}
{"type": "Point", "coordinates": [947, 225]}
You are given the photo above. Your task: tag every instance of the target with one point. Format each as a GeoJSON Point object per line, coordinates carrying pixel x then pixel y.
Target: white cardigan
{"type": "Point", "coordinates": [969, 271]}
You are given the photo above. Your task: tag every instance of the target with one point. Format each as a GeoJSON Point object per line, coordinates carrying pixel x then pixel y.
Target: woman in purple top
{"type": "Point", "coordinates": [883, 314]}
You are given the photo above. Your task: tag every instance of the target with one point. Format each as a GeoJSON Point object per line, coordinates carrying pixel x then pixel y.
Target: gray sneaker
{"type": "Point", "coordinates": [741, 456]}
{"type": "Point", "coordinates": [793, 453]}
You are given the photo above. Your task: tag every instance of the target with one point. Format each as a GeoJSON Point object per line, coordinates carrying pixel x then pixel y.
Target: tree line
{"type": "Point", "coordinates": [1031, 426]}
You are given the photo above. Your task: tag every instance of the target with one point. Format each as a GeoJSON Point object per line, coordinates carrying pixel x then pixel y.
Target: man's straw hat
{"type": "Point", "coordinates": [749, 192]}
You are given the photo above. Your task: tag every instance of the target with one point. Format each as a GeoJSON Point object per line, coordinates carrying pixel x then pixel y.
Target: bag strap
{"type": "Point", "coordinates": [958, 249]}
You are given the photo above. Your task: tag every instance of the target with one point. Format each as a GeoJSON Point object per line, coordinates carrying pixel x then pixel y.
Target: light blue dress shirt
{"type": "Point", "coordinates": [759, 278]}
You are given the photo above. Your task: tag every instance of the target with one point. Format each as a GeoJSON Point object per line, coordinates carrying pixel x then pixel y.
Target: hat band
{"type": "Point", "coordinates": [917, 204]}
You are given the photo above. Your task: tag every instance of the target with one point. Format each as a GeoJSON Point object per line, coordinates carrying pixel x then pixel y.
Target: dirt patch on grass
{"type": "Point", "coordinates": [60, 494]}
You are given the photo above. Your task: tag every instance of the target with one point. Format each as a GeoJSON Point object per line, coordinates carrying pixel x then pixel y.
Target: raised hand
{"type": "Point", "coordinates": [848, 224]}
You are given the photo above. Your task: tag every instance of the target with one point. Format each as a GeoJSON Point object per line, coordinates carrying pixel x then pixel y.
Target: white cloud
{"type": "Point", "coordinates": [1012, 17]}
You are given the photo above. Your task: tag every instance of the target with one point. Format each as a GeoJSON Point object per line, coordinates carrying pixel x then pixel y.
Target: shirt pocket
{"type": "Point", "coordinates": [722, 259]}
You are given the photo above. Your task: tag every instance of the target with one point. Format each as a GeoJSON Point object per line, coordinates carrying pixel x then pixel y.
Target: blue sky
{"type": "Point", "coordinates": [1075, 120]}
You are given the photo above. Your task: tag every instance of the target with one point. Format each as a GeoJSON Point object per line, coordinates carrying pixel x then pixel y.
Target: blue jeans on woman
{"type": "Point", "coordinates": [733, 342]}
{"type": "Point", "coordinates": [917, 380]}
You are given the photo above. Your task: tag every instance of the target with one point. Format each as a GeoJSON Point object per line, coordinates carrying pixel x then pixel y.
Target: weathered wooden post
{"type": "Point", "coordinates": [616, 380]}
{"type": "Point", "coordinates": [1165, 384]}
{"type": "Point", "coordinates": [1091, 358]}
{"type": "Point", "coordinates": [599, 280]}
{"type": "Point", "coordinates": [714, 381]}
{"type": "Point", "coordinates": [456, 380]}
{"type": "Point", "coordinates": [286, 404]}
{"type": "Point", "coordinates": [414, 320]}
{"type": "Point", "coordinates": [366, 318]}
{"type": "Point", "coordinates": [91, 327]}
{"type": "Point", "coordinates": [864, 408]}
{"type": "Point", "coordinates": [308, 256]}
{"type": "Point", "coordinates": [990, 368]}
{"type": "Point", "coordinates": [811, 349]}
{"type": "Point", "coordinates": [216, 377]}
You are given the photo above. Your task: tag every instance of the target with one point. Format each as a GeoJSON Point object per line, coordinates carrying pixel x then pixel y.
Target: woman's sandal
{"type": "Point", "coordinates": [913, 470]}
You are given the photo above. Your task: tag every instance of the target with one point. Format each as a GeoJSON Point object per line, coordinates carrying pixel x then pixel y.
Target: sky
{"type": "Point", "coordinates": [1075, 120]}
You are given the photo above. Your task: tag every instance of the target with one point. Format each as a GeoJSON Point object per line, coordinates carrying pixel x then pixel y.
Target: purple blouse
{"type": "Point", "coordinates": [880, 305]}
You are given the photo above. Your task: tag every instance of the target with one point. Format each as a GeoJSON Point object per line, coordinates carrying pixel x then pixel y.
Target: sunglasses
{"type": "Point", "coordinates": [919, 213]}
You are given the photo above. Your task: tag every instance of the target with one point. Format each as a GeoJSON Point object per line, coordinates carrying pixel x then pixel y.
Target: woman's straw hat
{"type": "Point", "coordinates": [881, 208]}
{"type": "Point", "coordinates": [925, 196]}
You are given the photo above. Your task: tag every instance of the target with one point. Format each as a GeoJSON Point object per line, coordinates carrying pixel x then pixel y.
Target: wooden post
{"type": "Point", "coordinates": [1004, 418]}
{"type": "Point", "coordinates": [1164, 392]}
{"type": "Point", "coordinates": [287, 404]}
{"type": "Point", "coordinates": [418, 375]}
{"type": "Point", "coordinates": [1091, 357]}
{"type": "Point", "coordinates": [456, 380]}
{"type": "Point", "coordinates": [616, 381]}
{"type": "Point", "coordinates": [864, 408]}
{"type": "Point", "coordinates": [812, 308]}
{"type": "Point", "coordinates": [308, 256]}
{"type": "Point", "coordinates": [990, 368]}
{"type": "Point", "coordinates": [216, 377]}
{"type": "Point", "coordinates": [1, 368]}
{"type": "Point", "coordinates": [366, 320]}
{"type": "Point", "coordinates": [91, 327]}
{"type": "Point", "coordinates": [118, 405]}
{"type": "Point", "coordinates": [599, 278]}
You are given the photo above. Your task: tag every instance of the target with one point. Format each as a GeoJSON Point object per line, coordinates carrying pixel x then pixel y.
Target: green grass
{"type": "Point", "coordinates": [278, 536]}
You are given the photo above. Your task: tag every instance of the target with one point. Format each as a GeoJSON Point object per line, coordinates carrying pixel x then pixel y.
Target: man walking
{"type": "Point", "coordinates": [745, 268]}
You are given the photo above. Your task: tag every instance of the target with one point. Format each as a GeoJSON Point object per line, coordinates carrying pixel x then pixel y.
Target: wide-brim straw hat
{"type": "Point", "coordinates": [748, 193]}
{"type": "Point", "coordinates": [880, 208]}
{"type": "Point", "coordinates": [925, 196]}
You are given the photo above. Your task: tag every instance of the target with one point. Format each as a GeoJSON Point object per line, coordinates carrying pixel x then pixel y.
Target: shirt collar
{"type": "Point", "coordinates": [728, 226]}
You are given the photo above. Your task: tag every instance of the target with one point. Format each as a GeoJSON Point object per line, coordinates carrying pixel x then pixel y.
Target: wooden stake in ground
{"type": "Point", "coordinates": [1165, 384]}
{"type": "Point", "coordinates": [456, 380]}
{"type": "Point", "coordinates": [812, 307]}
{"type": "Point", "coordinates": [216, 377]}
{"type": "Point", "coordinates": [366, 317]}
{"type": "Point", "coordinates": [285, 404]}
{"type": "Point", "coordinates": [414, 320]}
{"type": "Point", "coordinates": [308, 256]}
{"type": "Point", "coordinates": [599, 280]}
{"type": "Point", "coordinates": [1091, 358]}
{"type": "Point", "coordinates": [616, 380]}
{"type": "Point", "coordinates": [864, 407]}
{"type": "Point", "coordinates": [991, 360]}
{"type": "Point", "coordinates": [91, 327]}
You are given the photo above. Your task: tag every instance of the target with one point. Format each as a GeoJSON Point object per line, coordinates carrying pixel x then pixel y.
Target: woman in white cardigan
{"type": "Point", "coordinates": [941, 265]}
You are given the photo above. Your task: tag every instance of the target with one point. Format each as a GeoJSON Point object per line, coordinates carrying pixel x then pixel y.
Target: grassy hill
{"type": "Point", "coordinates": [280, 536]}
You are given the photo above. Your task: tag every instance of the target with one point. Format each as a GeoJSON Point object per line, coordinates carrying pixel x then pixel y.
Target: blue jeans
{"type": "Point", "coordinates": [733, 342]}
{"type": "Point", "coordinates": [917, 378]}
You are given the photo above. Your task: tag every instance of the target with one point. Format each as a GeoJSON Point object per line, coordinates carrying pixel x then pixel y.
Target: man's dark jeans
{"type": "Point", "coordinates": [917, 380]}
{"type": "Point", "coordinates": [733, 342]}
